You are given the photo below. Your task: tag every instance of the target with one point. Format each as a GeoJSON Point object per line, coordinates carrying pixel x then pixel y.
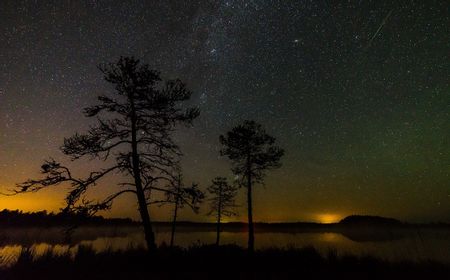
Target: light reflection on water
{"type": "Point", "coordinates": [428, 245]}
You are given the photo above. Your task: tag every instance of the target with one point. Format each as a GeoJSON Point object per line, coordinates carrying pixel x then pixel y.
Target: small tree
{"type": "Point", "coordinates": [180, 195]}
{"type": "Point", "coordinates": [222, 201]}
{"type": "Point", "coordinates": [135, 129]}
{"type": "Point", "coordinates": [252, 152]}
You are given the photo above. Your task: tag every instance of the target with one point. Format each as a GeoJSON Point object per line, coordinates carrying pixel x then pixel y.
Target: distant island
{"type": "Point", "coordinates": [364, 220]}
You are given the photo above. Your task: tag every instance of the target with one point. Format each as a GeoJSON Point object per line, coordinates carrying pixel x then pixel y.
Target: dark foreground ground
{"type": "Point", "coordinates": [210, 262]}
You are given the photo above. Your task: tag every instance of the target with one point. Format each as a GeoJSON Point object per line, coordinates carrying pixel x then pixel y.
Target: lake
{"type": "Point", "coordinates": [406, 244]}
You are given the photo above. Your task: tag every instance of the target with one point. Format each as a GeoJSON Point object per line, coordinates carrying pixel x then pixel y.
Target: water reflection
{"type": "Point", "coordinates": [415, 246]}
{"type": "Point", "coordinates": [9, 254]}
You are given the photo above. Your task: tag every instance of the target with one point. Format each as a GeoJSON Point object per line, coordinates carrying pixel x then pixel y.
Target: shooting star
{"type": "Point", "coordinates": [379, 28]}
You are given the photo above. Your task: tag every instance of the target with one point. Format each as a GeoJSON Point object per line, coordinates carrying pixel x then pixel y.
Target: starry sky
{"type": "Point", "coordinates": [356, 92]}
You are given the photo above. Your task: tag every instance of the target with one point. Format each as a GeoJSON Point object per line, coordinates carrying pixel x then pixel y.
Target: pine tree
{"type": "Point", "coordinates": [134, 125]}
{"type": "Point", "coordinates": [222, 201]}
{"type": "Point", "coordinates": [252, 152]}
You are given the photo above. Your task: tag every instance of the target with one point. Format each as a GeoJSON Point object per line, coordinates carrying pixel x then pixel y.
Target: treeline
{"type": "Point", "coordinates": [11, 218]}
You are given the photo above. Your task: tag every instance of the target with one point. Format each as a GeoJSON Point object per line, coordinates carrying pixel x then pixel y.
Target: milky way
{"type": "Point", "coordinates": [356, 93]}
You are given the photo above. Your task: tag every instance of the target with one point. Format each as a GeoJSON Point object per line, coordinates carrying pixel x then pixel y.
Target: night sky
{"type": "Point", "coordinates": [356, 93]}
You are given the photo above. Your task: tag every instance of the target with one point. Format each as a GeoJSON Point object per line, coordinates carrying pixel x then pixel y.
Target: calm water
{"type": "Point", "coordinates": [417, 245]}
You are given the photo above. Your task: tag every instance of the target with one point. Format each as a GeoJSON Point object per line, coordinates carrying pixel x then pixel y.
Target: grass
{"type": "Point", "coordinates": [211, 262]}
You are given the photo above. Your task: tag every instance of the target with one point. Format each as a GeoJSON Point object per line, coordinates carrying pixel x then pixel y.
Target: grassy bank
{"type": "Point", "coordinates": [209, 262]}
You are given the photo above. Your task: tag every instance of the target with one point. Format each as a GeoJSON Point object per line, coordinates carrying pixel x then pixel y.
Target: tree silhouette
{"type": "Point", "coordinates": [222, 201]}
{"type": "Point", "coordinates": [180, 195]}
{"type": "Point", "coordinates": [135, 129]}
{"type": "Point", "coordinates": [251, 151]}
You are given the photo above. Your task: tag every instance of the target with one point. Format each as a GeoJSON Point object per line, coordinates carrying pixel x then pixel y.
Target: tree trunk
{"type": "Point", "coordinates": [251, 236]}
{"type": "Point", "coordinates": [145, 217]}
{"type": "Point", "coordinates": [218, 231]}
{"type": "Point", "coordinates": [143, 210]}
{"type": "Point", "coordinates": [219, 210]}
{"type": "Point", "coordinates": [174, 221]}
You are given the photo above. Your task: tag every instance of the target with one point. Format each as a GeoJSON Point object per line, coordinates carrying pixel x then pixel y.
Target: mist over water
{"type": "Point", "coordinates": [404, 244]}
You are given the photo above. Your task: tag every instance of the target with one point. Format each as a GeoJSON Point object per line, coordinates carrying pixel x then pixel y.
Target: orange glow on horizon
{"type": "Point", "coordinates": [328, 218]}
{"type": "Point", "coordinates": [30, 204]}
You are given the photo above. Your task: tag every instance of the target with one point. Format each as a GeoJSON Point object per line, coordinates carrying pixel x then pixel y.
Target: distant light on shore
{"type": "Point", "coordinates": [328, 218]}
